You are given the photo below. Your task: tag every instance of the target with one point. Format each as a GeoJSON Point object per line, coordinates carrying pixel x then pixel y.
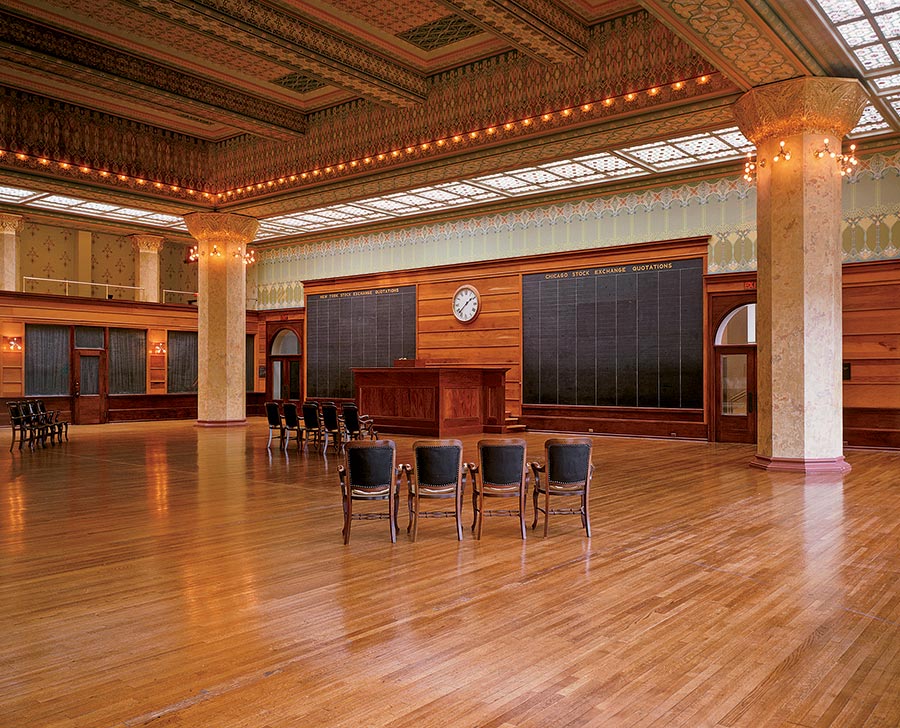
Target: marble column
{"type": "Point", "coordinates": [221, 315]}
{"type": "Point", "coordinates": [146, 265]}
{"type": "Point", "coordinates": [10, 225]}
{"type": "Point", "coordinates": [800, 415]}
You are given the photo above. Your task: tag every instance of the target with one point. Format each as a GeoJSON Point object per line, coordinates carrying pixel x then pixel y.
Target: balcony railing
{"type": "Point", "coordinates": [80, 288]}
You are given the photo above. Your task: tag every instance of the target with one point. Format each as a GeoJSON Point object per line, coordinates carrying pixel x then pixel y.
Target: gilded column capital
{"type": "Point", "coordinates": [828, 106]}
{"type": "Point", "coordinates": [147, 243]}
{"type": "Point", "coordinates": [221, 227]}
{"type": "Point", "coordinates": [11, 223]}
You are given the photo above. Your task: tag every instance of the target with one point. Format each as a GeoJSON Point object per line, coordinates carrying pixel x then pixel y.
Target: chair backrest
{"type": "Point", "coordinates": [291, 419]}
{"type": "Point", "coordinates": [329, 416]}
{"type": "Point", "coordinates": [310, 415]}
{"type": "Point", "coordinates": [15, 412]}
{"type": "Point", "coordinates": [351, 417]}
{"type": "Point", "coordinates": [438, 462]}
{"type": "Point", "coordinates": [502, 462]}
{"type": "Point", "coordinates": [30, 410]}
{"type": "Point", "coordinates": [272, 414]}
{"type": "Point", "coordinates": [568, 459]}
{"type": "Point", "coordinates": [371, 463]}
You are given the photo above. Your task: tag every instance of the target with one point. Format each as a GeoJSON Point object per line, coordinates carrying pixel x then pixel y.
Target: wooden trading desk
{"type": "Point", "coordinates": [439, 401]}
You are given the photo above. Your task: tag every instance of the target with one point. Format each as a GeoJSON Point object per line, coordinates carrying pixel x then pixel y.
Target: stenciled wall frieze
{"type": "Point", "coordinates": [724, 209]}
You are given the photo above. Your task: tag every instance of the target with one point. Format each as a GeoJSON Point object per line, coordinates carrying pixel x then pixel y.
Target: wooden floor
{"type": "Point", "coordinates": [159, 574]}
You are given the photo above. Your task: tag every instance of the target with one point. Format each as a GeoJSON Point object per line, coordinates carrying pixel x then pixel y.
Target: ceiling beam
{"type": "Point", "coordinates": [34, 46]}
{"type": "Point", "coordinates": [540, 28]}
{"type": "Point", "coordinates": [293, 42]}
{"type": "Point", "coordinates": [734, 37]}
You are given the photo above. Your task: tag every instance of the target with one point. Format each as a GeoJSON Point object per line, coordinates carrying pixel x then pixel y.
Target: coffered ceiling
{"type": "Point", "coordinates": [279, 107]}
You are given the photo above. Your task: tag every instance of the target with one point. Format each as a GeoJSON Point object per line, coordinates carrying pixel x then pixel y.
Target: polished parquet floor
{"type": "Point", "coordinates": [160, 574]}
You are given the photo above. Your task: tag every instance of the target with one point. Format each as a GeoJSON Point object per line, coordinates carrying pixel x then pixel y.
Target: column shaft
{"type": "Point", "coordinates": [10, 225]}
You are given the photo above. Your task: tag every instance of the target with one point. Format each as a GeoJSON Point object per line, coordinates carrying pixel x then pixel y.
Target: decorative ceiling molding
{"type": "Point", "coordinates": [288, 39]}
{"type": "Point", "coordinates": [733, 36]}
{"type": "Point", "coordinates": [540, 28]}
{"type": "Point", "coordinates": [95, 65]}
{"type": "Point", "coordinates": [617, 133]}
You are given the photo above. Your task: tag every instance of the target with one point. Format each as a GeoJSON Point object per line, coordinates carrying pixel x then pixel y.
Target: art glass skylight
{"type": "Point", "coordinates": [871, 31]}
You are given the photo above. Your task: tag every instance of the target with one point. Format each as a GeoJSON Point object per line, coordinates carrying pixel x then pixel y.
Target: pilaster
{"type": "Point", "coordinates": [146, 265]}
{"type": "Point", "coordinates": [10, 226]}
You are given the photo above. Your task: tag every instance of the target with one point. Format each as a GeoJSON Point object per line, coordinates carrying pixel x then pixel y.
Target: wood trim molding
{"type": "Point", "coordinates": [810, 466]}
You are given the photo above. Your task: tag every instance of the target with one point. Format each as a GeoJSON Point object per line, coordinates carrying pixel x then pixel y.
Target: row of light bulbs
{"type": "Point", "coordinates": [248, 256]}
{"type": "Point", "coordinates": [845, 162]}
{"type": "Point", "coordinates": [368, 160]}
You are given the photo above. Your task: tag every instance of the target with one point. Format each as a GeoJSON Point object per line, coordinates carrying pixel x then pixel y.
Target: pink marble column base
{"type": "Point", "coordinates": [813, 466]}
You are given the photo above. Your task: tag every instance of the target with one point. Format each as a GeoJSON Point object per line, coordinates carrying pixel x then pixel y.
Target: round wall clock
{"type": "Point", "coordinates": [466, 303]}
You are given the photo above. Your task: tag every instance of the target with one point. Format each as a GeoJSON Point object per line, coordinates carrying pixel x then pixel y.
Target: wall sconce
{"type": "Point", "coordinates": [194, 253]}
{"type": "Point", "coordinates": [751, 165]}
{"type": "Point", "coordinates": [12, 343]}
{"type": "Point", "coordinates": [248, 256]}
{"type": "Point", "coordinates": [159, 348]}
{"type": "Point", "coordinates": [845, 162]}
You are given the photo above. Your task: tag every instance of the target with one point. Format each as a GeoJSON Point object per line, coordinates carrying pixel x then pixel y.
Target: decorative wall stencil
{"type": "Point", "coordinates": [724, 209]}
{"type": "Point", "coordinates": [112, 261]}
{"type": "Point", "coordinates": [46, 251]}
{"type": "Point", "coordinates": [174, 273]}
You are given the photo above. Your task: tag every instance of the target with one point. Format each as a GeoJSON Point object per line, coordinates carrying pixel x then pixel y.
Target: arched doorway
{"type": "Point", "coordinates": [285, 381]}
{"type": "Point", "coordinates": [735, 376]}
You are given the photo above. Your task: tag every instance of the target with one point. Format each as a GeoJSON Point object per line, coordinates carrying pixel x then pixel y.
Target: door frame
{"type": "Point", "coordinates": [719, 419]}
{"type": "Point", "coordinates": [79, 415]}
{"type": "Point", "coordinates": [273, 328]}
{"type": "Point", "coordinates": [725, 292]}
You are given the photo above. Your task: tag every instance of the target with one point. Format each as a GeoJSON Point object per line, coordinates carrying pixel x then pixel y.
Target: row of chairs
{"type": "Point", "coordinates": [317, 424]}
{"type": "Point", "coordinates": [370, 473]}
{"type": "Point", "coordinates": [32, 422]}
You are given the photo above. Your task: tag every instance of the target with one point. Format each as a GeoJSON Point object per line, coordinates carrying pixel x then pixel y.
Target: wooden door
{"type": "Point", "coordinates": [89, 388]}
{"type": "Point", "coordinates": [735, 401]}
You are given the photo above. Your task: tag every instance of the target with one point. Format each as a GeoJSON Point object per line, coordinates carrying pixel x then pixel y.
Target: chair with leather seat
{"type": "Point", "coordinates": [331, 425]}
{"type": "Point", "coordinates": [499, 473]}
{"type": "Point", "coordinates": [567, 470]}
{"type": "Point", "coordinates": [436, 473]}
{"type": "Point", "coordinates": [273, 416]}
{"type": "Point", "coordinates": [291, 423]}
{"type": "Point", "coordinates": [355, 426]}
{"type": "Point", "coordinates": [370, 474]}
{"type": "Point", "coordinates": [311, 429]}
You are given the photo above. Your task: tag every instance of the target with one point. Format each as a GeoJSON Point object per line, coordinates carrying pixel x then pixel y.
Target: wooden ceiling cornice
{"type": "Point", "coordinates": [540, 28]}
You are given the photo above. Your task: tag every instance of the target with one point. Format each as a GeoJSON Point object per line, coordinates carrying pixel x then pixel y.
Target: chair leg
{"type": "Point", "coordinates": [480, 513]}
{"type": "Point", "coordinates": [535, 504]}
{"type": "Point", "coordinates": [409, 506]}
{"type": "Point", "coordinates": [348, 513]}
{"type": "Point", "coordinates": [522, 500]}
{"type": "Point", "coordinates": [393, 503]}
{"type": "Point", "coordinates": [586, 516]}
{"type": "Point", "coordinates": [547, 510]}
{"type": "Point", "coordinates": [269, 443]}
{"type": "Point", "coordinates": [459, 514]}
{"type": "Point", "coordinates": [474, 504]}
{"type": "Point", "coordinates": [415, 522]}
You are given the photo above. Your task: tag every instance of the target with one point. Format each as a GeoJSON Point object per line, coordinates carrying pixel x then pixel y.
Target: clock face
{"type": "Point", "coordinates": [465, 303]}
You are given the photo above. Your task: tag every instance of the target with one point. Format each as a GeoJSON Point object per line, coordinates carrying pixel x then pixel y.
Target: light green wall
{"type": "Point", "coordinates": [724, 209]}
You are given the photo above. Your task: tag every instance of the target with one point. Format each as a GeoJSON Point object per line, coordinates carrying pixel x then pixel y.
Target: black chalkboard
{"type": "Point", "coordinates": [369, 328]}
{"type": "Point", "coordinates": [618, 336]}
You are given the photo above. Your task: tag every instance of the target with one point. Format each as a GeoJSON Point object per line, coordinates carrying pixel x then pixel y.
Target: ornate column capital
{"type": "Point", "coordinates": [11, 223]}
{"type": "Point", "coordinates": [147, 243]}
{"type": "Point", "coordinates": [221, 227]}
{"type": "Point", "coordinates": [827, 106]}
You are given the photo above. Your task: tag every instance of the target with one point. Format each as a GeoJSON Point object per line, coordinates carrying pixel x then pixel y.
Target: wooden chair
{"type": "Point", "coordinates": [356, 427]}
{"type": "Point", "coordinates": [20, 428]}
{"type": "Point", "coordinates": [312, 422]}
{"type": "Point", "coordinates": [58, 427]}
{"type": "Point", "coordinates": [436, 473]}
{"type": "Point", "coordinates": [275, 423]}
{"type": "Point", "coordinates": [568, 470]}
{"type": "Point", "coordinates": [36, 422]}
{"type": "Point", "coordinates": [331, 425]}
{"type": "Point", "coordinates": [370, 473]}
{"type": "Point", "coordinates": [499, 473]}
{"type": "Point", "coordinates": [291, 423]}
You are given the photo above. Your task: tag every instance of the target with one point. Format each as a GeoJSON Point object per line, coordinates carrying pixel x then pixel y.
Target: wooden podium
{"type": "Point", "coordinates": [433, 401]}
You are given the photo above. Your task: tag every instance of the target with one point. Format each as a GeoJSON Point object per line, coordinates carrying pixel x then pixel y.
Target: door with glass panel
{"type": "Point", "coordinates": [735, 377]}
{"type": "Point", "coordinates": [89, 376]}
{"type": "Point", "coordinates": [285, 380]}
